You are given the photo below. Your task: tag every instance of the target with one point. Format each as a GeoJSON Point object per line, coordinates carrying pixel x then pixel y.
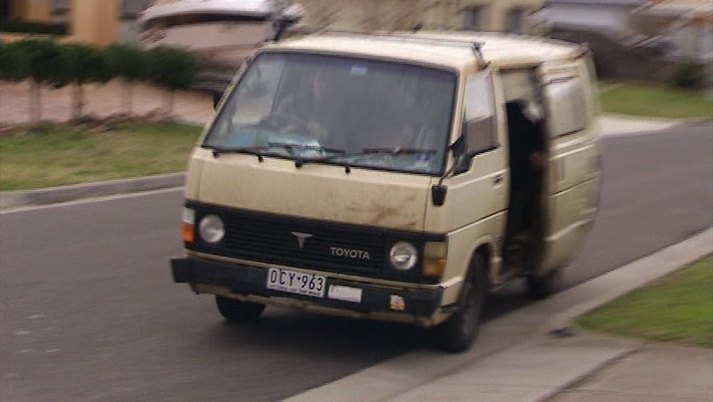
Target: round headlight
{"type": "Point", "coordinates": [211, 229]}
{"type": "Point", "coordinates": [403, 256]}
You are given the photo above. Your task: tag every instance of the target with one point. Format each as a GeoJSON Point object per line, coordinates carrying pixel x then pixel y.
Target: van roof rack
{"type": "Point", "coordinates": [475, 46]}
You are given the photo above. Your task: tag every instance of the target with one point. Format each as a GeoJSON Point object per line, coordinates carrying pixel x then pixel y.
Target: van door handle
{"type": "Point", "coordinates": [498, 179]}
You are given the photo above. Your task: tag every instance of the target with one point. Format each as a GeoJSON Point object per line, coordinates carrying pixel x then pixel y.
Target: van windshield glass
{"type": "Point", "coordinates": [338, 110]}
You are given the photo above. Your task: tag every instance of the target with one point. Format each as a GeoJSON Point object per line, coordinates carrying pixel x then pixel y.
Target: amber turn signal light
{"type": "Point", "coordinates": [434, 259]}
{"type": "Point", "coordinates": [187, 232]}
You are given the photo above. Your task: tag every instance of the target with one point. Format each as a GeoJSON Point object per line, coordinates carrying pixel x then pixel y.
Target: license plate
{"type": "Point", "coordinates": [296, 282]}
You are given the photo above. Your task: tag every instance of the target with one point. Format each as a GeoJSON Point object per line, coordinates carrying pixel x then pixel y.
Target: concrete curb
{"type": "Point", "coordinates": [622, 126]}
{"type": "Point", "coordinates": [517, 347]}
{"type": "Point", "coordinates": [632, 118]}
{"type": "Point", "coordinates": [14, 199]}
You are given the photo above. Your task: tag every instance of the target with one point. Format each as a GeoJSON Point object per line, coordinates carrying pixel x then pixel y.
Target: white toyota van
{"type": "Point", "coordinates": [393, 176]}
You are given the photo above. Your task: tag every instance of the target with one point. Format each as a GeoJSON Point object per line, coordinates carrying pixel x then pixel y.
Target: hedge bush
{"type": "Point", "coordinates": [46, 62]}
{"type": "Point", "coordinates": [173, 69]}
{"type": "Point", "coordinates": [56, 64]}
{"type": "Point", "coordinates": [14, 66]}
{"type": "Point", "coordinates": [688, 75]}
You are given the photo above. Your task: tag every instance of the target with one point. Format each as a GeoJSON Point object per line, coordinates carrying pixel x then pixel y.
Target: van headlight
{"type": "Point", "coordinates": [211, 229]}
{"type": "Point", "coordinates": [403, 256]}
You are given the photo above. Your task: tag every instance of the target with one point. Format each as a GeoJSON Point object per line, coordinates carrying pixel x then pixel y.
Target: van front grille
{"type": "Point", "coordinates": [296, 242]}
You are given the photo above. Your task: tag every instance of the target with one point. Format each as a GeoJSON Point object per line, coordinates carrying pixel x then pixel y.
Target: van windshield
{"type": "Point", "coordinates": [364, 113]}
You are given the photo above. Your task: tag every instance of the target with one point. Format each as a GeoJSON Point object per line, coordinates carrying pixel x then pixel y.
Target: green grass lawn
{"type": "Point", "coordinates": [55, 155]}
{"type": "Point", "coordinates": [656, 101]}
{"type": "Point", "coordinates": [676, 308]}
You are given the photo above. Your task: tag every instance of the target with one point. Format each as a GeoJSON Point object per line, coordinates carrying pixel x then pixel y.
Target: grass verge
{"type": "Point", "coordinates": [676, 308]}
{"type": "Point", "coordinates": [655, 101]}
{"type": "Point", "coordinates": [55, 155]}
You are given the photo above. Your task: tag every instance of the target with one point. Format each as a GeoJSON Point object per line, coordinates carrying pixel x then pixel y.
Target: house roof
{"type": "Point", "coordinates": [677, 7]}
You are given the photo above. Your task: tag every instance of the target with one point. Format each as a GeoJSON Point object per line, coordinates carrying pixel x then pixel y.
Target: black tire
{"type": "Point", "coordinates": [544, 286]}
{"type": "Point", "coordinates": [238, 311]}
{"type": "Point", "coordinates": [460, 330]}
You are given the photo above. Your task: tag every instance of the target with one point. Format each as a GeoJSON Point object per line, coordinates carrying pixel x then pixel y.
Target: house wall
{"type": "Point", "coordinates": [89, 21]}
{"type": "Point", "coordinates": [37, 10]}
{"type": "Point", "coordinates": [94, 21]}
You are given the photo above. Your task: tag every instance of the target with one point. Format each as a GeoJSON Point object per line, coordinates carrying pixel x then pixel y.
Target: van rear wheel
{"type": "Point", "coordinates": [238, 311]}
{"type": "Point", "coordinates": [458, 333]}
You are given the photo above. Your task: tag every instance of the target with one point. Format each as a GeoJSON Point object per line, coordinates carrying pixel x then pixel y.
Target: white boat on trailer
{"type": "Point", "coordinates": [220, 32]}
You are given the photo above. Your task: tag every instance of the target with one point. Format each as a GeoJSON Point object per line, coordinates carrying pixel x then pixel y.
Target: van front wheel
{"type": "Point", "coordinates": [238, 311]}
{"type": "Point", "coordinates": [458, 333]}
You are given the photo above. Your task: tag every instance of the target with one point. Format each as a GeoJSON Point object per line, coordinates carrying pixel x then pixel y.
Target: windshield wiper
{"type": "Point", "coordinates": [217, 151]}
{"type": "Point", "coordinates": [396, 151]}
{"type": "Point", "coordinates": [366, 151]}
{"type": "Point", "coordinates": [290, 146]}
{"type": "Point", "coordinates": [299, 160]}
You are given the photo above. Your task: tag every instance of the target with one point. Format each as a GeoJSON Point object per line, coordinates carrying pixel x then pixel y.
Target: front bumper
{"type": "Point", "coordinates": [247, 280]}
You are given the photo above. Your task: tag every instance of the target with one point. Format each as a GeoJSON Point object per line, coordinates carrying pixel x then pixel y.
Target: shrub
{"type": "Point", "coordinates": [688, 74]}
{"type": "Point", "coordinates": [600, 66]}
{"type": "Point", "coordinates": [14, 66]}
{"type": "Point", "coordinates": [48, 65]}
{"type": "Point", "coordinates": [87, 64]}
{"type": "Point", "coordinates": [173, 69]}
{"type": "Point", "coordinates": [129, 63]}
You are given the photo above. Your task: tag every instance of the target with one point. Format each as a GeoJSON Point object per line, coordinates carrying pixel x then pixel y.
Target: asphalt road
{"type": "Point", "coordinates": [88, 310]}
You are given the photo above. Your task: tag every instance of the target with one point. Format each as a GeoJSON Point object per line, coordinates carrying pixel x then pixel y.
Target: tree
{"type": "Point", "coordinates": [88, 64]}
{"type": "Point", "coordinates": [174, 70]}
{"type": "Point", "coordinates": [47, 65]}
{"type": "Point", "coordinates": [129, 63]}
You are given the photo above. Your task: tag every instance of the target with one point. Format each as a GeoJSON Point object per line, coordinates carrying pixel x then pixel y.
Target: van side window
{"type": "Point", "coordinates": [480, 114]}
{"type": "Point", "coordinates": [567, 106]}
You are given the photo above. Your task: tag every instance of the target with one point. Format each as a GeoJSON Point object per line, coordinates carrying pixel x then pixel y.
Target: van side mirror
{"type": "Point", "coordinates": [438, 194]}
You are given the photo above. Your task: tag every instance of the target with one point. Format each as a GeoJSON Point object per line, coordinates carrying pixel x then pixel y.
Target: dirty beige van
{"type": "Point", "coordinates": [396, 177]}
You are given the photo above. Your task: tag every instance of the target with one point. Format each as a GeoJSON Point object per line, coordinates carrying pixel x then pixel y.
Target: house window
{"type": "Point", "coordinates": [515, 20]}
{"type": "Point", "coordinates": [132, 8]}
{"type": "Point", "coordinates": [474, 18]}
{"type": "Point", "coordinates": [60, 6]}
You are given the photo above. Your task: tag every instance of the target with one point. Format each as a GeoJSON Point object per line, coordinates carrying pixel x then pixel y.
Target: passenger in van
{"type": "Point", "coordinates": [526, 165]}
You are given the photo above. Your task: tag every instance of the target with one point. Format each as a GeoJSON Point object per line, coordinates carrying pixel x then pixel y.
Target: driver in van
{"type": "Point", "coordinates": [310, 110]}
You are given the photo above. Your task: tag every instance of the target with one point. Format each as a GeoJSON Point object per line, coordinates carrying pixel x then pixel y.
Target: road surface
{"type": "Point", "coordinates": [88, 310]}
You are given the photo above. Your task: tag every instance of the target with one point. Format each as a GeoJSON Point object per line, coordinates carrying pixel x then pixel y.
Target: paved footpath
{"type": "Point", "coordinates": [654, 373]}
{"type": "Point", "coordinates": [531, 354]}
